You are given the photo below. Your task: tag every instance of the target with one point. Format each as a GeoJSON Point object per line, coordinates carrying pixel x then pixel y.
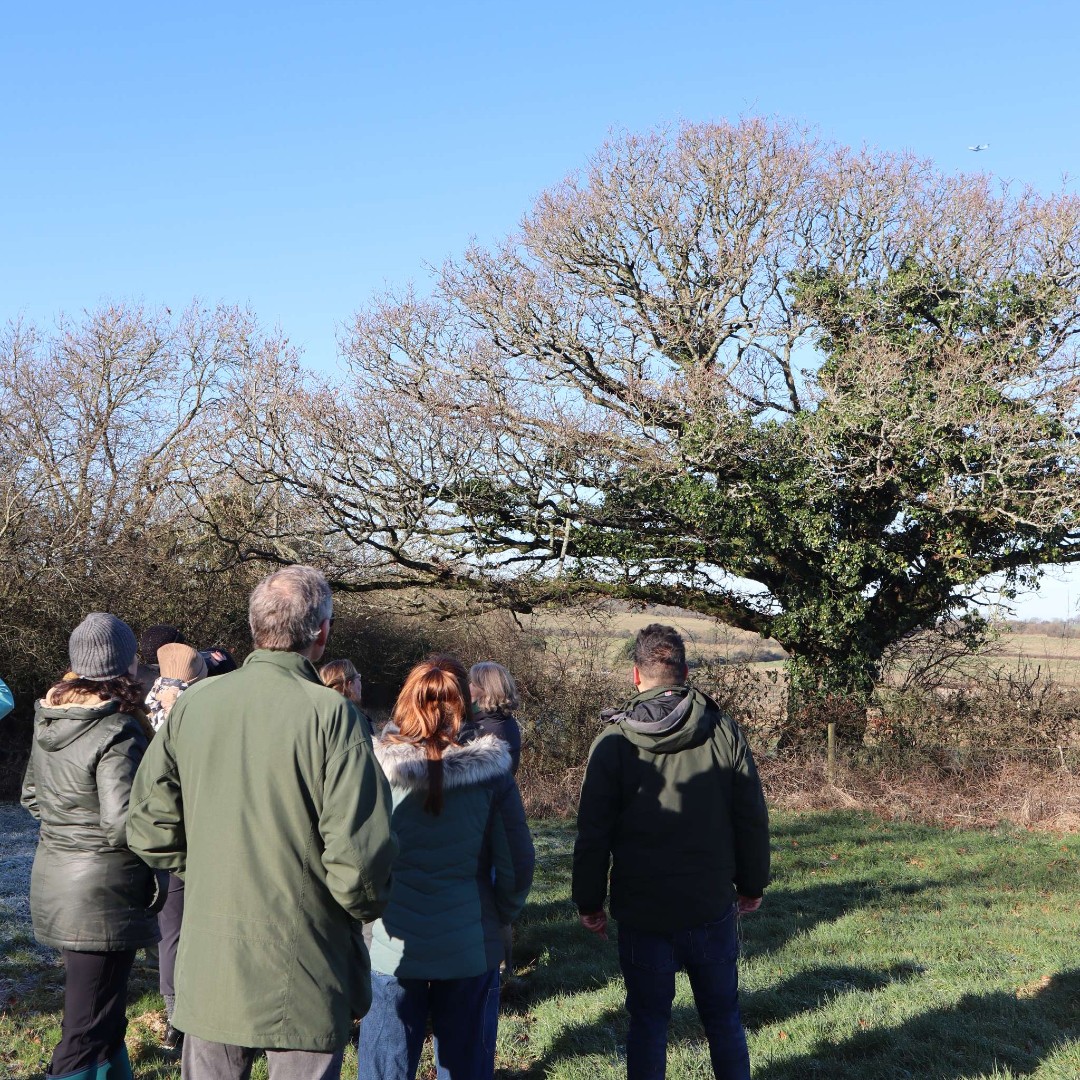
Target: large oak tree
{"type": "Point", "coordinates": [818, 393]}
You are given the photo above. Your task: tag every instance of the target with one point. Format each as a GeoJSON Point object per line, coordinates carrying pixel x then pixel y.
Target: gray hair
{"type": "Point", "coordinates": [493, 688]}
{"type": "Point", "coordinates": [288, 607]}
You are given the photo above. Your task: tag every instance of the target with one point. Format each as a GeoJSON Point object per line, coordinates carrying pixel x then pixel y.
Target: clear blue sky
{"type": "Point", "coordinates": [298, 157]}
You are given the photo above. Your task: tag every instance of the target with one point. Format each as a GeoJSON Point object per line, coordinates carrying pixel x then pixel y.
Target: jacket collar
{"type": "Point", "coordinates": [287, 660]}
{"type": "Point", "coordinates": [667, 719]}
{"type": "Point", "coordinates": [656, 710]}
{"type": "Point", "coordinates": [466, 765]}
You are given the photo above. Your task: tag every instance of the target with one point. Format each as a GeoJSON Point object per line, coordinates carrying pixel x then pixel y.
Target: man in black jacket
{"type": "Point", "coordinates": [672, 803]}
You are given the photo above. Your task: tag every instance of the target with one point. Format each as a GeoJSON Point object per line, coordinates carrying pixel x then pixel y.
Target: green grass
{"type": "Point", "coordinates": [883, 951]}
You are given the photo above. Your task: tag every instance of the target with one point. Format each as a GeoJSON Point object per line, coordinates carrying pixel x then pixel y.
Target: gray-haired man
{"type": "Point", "coordinates": [262, 791]}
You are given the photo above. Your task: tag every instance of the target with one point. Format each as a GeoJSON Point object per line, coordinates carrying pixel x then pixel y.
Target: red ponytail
{"type": "Point", "coordinates": [429, 712]}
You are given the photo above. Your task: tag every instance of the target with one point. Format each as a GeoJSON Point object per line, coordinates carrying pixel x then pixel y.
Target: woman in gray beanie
{"type": "Point", "coordinates": [89, 895]}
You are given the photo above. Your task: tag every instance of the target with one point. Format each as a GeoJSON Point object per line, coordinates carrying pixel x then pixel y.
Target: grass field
{"type": "Point", "coordinates": [1056, 655]}
{"type": "Point", "coordinates": [1055, 652]}
{"type": "Point", "coordinates": [883, 951]}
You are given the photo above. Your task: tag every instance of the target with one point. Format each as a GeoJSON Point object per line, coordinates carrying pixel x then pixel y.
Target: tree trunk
{"type": "Point", "coordinates": [824, 689]}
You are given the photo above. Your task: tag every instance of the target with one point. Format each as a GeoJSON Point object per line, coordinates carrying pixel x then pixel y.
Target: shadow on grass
{"type": "Point", "coordinates": [788, 913]}
{"type": "Point", "coordinates": [821, 826]}
{"type": "Point", "coordinates": [814, 988]}
{"type": "Point", "coordinates": [605, 1034]}
{"type": "Point", "coordinates": [979, 1034]}
{"type": "Point", "coordinates": [548, 912]}
{"type": "Point", "coordinates": [976, 1036]}
{"type": "Point", "coordinates": [558, 957]}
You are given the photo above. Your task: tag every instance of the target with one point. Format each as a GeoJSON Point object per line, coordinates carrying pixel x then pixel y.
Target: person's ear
{"type": "Point", "coordinates": [637, 677]}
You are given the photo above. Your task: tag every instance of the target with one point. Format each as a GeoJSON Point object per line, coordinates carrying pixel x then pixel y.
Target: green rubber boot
{"type": "Point", "coordinates": [118, 1067]}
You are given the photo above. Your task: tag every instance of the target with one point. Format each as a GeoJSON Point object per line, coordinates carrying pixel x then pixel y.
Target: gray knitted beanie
{"type": "Point", "coordinates": [101, 647]}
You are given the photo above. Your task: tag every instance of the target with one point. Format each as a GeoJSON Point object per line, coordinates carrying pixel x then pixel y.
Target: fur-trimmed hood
{"type": "Point", "coordinates": [473, 763]}
{"type": "Point", "coordinates": [58, 725]}
{"type": "Point", "coordinates": [86, 698]}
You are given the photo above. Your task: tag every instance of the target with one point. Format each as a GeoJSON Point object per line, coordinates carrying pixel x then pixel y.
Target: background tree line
{"type": "Point", "coordinates": [815, 392]}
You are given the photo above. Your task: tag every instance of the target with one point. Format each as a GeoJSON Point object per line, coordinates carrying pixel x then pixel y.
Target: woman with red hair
{"type": "Point", "coordinates": [464, 870]}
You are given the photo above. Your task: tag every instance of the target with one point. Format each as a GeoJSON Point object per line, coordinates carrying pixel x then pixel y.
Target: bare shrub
{"type": "Point", "coordinates": [1003, 710]}
{"type": "Point", "coordinates": [953, 652]}
{"type": "Point", "coordinates": [565, 683]}
{"type": "Point", "coordinates": [755, 698]}
{"type": "Point", "coordinates": [1039, 792]}
{"type": "Point", "coordinates": [1026, 707]}
{"type": "Point", "coordinates": [564, 680]}
{"type": "Point", "coordinates": [109, 430]}
{"type": "Point", "coordinates": [561, 717]}
{"type": "Point", "coordinates": [760, 701]}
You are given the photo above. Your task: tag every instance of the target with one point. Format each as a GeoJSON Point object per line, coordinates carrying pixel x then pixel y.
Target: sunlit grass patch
{"type": "Point", "coordinates": [884, 951]}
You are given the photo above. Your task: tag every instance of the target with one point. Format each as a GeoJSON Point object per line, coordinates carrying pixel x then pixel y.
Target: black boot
{"type": "Point", "coordinates": [173, 1039]}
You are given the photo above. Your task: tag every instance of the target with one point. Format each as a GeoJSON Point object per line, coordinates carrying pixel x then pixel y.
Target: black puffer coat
{"type": "Point", "coordinates": [88, 891]}
{"type": "Point", "coordinates": [502, 725]}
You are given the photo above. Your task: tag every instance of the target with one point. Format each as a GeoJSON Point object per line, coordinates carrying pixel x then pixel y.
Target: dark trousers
{"type": "Point", "coordinates": [649, 963]}
{"type": "Point", "coordinates": [464, 1020]}
{"type": "Point", "coordinates": [169, 919]}
{"type": "Point", "coordinates": [95, 997]}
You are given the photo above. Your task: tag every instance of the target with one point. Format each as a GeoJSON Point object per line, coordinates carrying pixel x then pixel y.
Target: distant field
{"type": "Point", "coordinates": [1056, 655]}
{"type": "Point", "coordinates": [706, 638]}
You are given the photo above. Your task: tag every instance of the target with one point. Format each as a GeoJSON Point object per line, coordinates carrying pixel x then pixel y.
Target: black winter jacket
{"type": "Point", "coordinates": [671, 801]}
{"type": "Point", "coordinates": [502, 725]}
{"type": "Point", "coordinates": [88, 891]}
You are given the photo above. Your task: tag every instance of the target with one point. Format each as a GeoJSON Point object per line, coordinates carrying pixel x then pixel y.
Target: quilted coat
{"type": "Point", "coordinates": [461, 874]}
{"type": "Point", "coordinates": [88, 891]}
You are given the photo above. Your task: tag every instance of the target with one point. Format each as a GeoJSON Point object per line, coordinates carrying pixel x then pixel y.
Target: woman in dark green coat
{"type": "Point", "coordinates": [90, 896]}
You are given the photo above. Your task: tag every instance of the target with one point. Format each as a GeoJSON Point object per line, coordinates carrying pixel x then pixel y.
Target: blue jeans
{"type": "Point", "coordinates": [464, 1018]}
{"type": "Point", "coordinates": [649, 963]}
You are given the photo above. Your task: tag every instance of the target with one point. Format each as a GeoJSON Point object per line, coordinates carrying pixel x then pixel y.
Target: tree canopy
{"type": "Point", "coordinates": [816, 392]}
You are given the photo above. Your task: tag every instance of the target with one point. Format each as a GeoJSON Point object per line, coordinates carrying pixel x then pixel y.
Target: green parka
{"type": "Point", "coordinates": [671, 801]}
{"type": "Point", "coordinates": [262, 792]}
{"type": "Point", "coordinates": [88, 891]}
{"type": "Point", "coordinates": [463, 873]}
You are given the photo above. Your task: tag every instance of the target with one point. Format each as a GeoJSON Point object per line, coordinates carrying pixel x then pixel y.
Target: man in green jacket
{"type": "Point", "coordinates": [263, 793]}
{"type": "Point", "coordinates": [672, 804]}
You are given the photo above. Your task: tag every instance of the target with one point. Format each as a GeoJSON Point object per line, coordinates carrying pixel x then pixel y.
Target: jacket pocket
{"type": "Point", "coordinates": [720, 939]}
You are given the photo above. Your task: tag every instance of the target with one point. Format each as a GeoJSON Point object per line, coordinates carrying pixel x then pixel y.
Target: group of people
{"type": "Point", "coordinates": [315, 872]}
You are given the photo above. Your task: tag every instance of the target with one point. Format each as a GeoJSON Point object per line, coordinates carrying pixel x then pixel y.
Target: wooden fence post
{"type": "Point", "coordinates": [830, 760]}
